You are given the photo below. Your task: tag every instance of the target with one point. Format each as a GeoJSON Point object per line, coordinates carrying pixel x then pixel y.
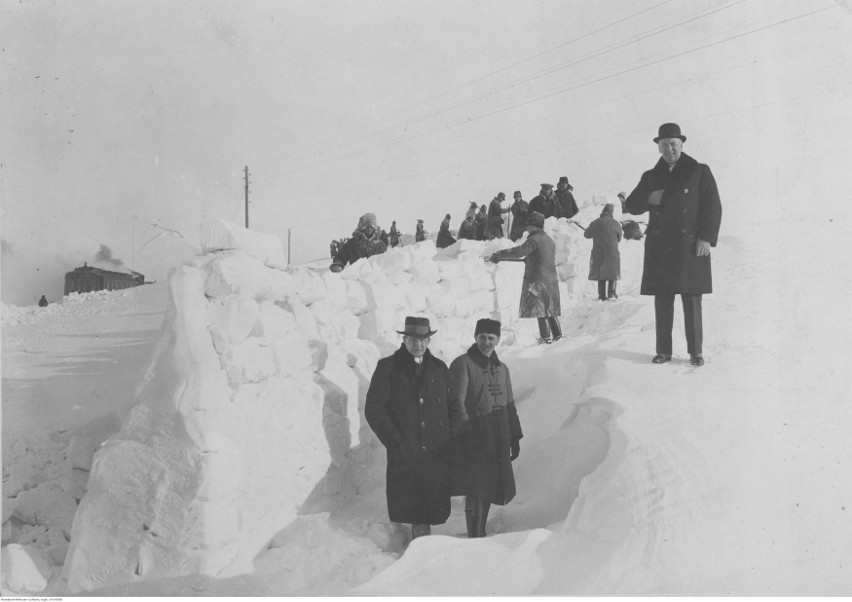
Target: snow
{"type": "Point", "coordinates": [205, 435]}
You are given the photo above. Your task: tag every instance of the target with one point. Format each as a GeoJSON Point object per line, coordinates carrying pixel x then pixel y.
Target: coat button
{"type": "Point", "coordinates": [686, 191]}
{"type": "Point", "coordinates": [423, 448]}
{"type": "Point", "coordinates": [683, 231]}
{"type": "Point", "coordinates": [423, 424]}
{"type": "Point", "coordinates": [421, 400]}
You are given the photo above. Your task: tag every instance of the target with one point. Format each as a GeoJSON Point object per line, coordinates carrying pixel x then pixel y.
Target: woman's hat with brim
{"type": "Point", "coordinates": [669, 130]}
{"type": "Point", "coordinates": [417, 328]}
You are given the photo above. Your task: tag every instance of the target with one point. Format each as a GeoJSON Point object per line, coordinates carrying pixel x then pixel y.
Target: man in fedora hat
{"type": "Point", "coordinates": [546, 202]}
{"type": "Point", "coordinates": [565, 198]}
{"type": "Point", "coordinates": [409, 409]}
{"type": "Point", "coordinates": [685, 213]}
{"type": "Point", "coordinates": [488, 430]}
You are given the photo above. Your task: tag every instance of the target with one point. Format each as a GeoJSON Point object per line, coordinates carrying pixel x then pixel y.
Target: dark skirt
{"type": "Point", "coordinates": [418, 487]}
{"type": "Point", "coordinates": [481, 464]}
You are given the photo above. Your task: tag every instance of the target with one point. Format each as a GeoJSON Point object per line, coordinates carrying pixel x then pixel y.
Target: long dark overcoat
{"type": "Point", "coordinates": [540, 292]}
{"type": "Point", "coordinates": [519, 219]}
{"type": "Point", "coordinates": [494, 221]}
{"type": "Point", "coordinates": [605, 261]}
{"type": "Point", "coordinates": [547, 206]}
{"type": "Point", "coordinates": [690, 209]}
{"type": "Point", "coordinates": [489, 423]}
{"type": "Point", "coordinates": [444, 239]}
{"type": "Point", "coordinates": [567, 202]}
{"type": "Point", "coordinates": [411, 417]}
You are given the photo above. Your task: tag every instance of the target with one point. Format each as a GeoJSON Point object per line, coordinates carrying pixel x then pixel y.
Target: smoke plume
{"type": "Point", "coordinates": [104, 255]}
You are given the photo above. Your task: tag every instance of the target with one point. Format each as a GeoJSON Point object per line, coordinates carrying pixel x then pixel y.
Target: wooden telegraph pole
{"type": "Point", "coordinates": [247, 194]}
{"type": "Point", "coordinates": [288, 246]}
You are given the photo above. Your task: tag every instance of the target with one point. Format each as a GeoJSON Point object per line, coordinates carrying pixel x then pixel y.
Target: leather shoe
{"type": "Point", "coordinates": [696, 360]}
{"type": "Point", "coordinates": [661, 359]}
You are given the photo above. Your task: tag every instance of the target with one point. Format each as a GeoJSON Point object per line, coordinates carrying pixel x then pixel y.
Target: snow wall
{"type": "Point", "coordinates": [254, 396]}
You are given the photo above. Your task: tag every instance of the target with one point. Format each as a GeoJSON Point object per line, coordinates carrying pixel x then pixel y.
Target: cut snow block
{"type": "Point", "coordinates": [306, 323]}
{"type": "Point", "coordinates": [356, 296]}
{"type": "Point", "coordinates": [47, 504]}
{"type": "Point", "coordinates": [250, 361]}
{"type": "Point", "coordinates": [425, 272]}
{"type": "Point", "coordinates": [439, 302]}
{"type": "Point", "coordinates": [335, 288]}
{"type": "Point", "coordinates": [332, 323]}
{"type": "Point", "coordinates": [415, 299]}
{"type": "Point", "coordinates": [341, 419]}
{"type": "Point", "coordinates": [382, 295]}
{"type": "Point", "coordinates": [392, 261]}
{"type": "Point", "coordinates": [358, 270]}
{"type": "Point", "coordinates": [219, 235]}
{"type": "Point", "coordinates": [233, 273]}
{"type": "Point", "coordinates": [24, 571]}
{"type": "Point", "coordinates": [422, 250]}
{"type": "Point", "coordinates": [380, 326]}
{"type": "Point", "coordinates": [273, 321]}
{"type": "Point", "coordinates": [277, 285]}
{"type": "Point", "coordinates": [233, 316]}
{"type": "Point", "coordinates": [449, 268]}
{"type": "Point", "coordinates": [309, 286]}
{"type": "Point", "coordinates": [292, 353]}
{"type": "Point", "coordinates": [565, 271]}
{"type": "Point", "coordinates": [400, 278]}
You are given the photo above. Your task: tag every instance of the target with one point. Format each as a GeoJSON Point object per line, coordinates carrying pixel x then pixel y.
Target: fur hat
{"type": "Point", "coordinates": [487, 326]}
{"type": "Point", "coordinates": [608, 209]}
{"type": "Point", "coordinates": [368, 220]}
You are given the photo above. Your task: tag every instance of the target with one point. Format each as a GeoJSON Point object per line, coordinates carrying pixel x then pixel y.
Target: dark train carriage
{"type": "Point", "coordinates": [87, 279]}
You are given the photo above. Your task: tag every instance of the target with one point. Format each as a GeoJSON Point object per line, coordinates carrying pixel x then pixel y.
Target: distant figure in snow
{"type": "Point", "coordinates": [409, 409]}
{"type": "Point", "coordinates": [467, 230]}
{"type": "Point", "coordinates": [42, 302]}
{"type": "Point", "coordinates": [494, 219]}
{"type": "Point", "coordinates": [479, 222]}
{"type": "Point", "coordinates": [519, 216]}
{"type": "Point", "coordinates": [546, 203]}
{"type": "Point", "coordinates": [420, 232]}
{"type": "Point", "coordinates": [488, 431]}
{"type": "Point", "coordinates": [685, 214]}
{"type": "Point", "coordinates": [540, 290]}
{"type": "Point", "coordinates": [471, 211]}
{"type": "Point", "coordinates": [444, 239]}
{"type": "Point", "coordinates": [605, 262]}
{"type": "Point", "coordinates": [622, 196]}
{"type": "Point", "coordinates": [393, 235]}
{"type": "Point", "coordinates": [366, 241]}
{"type": "Point", "coordinates": [565, 198]}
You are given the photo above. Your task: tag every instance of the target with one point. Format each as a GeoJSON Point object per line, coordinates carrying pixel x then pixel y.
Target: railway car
{"type": "Point", "coordinates": [86, 279]}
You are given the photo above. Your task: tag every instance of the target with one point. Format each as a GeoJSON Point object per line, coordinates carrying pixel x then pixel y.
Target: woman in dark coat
{"type": "Point", "coordinates": [420, 232]}
{"type": "Point", "coordinates": [445, 239]}
{"type": "Point", "coordinates": [519, 216]}
{"type": "Point", "coordinates": [488, 430]}
{"type": "Point", "coordinates": [467, 230]}
{"type": "Point", "coordinates": [409, 408]}
{"type": "Point", "coordinates": [540, 292]}
{"type": "Point", "coordinates": [605, 262]}
{"type": "Point", "coordinates": [494, 221]}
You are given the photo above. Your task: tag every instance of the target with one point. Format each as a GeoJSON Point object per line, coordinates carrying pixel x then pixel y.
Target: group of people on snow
{"type": "Point", "coordinates": [455, 430]}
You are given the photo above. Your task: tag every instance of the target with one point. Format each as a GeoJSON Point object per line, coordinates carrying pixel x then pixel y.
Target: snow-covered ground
{"type": "Point", "coordinates": [633, 478]}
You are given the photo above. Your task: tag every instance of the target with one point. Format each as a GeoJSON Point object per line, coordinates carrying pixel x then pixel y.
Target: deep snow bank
{"type": "Point", "coordinates": [257, 389]}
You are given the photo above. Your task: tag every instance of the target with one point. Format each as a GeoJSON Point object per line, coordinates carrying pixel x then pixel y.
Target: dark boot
{"type": "Point", "coordinates": [470, 515]}
{"type": "Point", "coordinates": [611, 294]}
{"type": "Point", "coordinates": [602, 290]}
{"type": "Point", "coordinates": [482, 515]}
{"type": "Point", "coordinates": [544, 331]}
{"type": "Point", "coordinates": [555, 328]}
{"type": "Point", "coordinates": [420, 530]}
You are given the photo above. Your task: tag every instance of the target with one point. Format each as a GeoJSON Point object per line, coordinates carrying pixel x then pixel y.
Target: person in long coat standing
{"type": "Point", "coordinates": [519, 216]}
{"type": "Point", "coordinates": [419, 232]}
{"type": "Point", "coordinates": [546, 203]}
{"type": "Point", "coordinates": [393, 235]}
{"type": "Point", "coordinates": [487, 429]}
{"type": "Point", "coordinates": [685, 214]}
{"type": "Point", "coordinates": [445, 238]}
{"type": "Point", "coordinates": [605, 262]}
{"type": "Point", "coordinates": [494, 221]}
{"type": "Point", "coordinates": [409, 408]}
{"type": "Point", "coordinates": [467, 229]}
{"type": "Point", "coordinates": [565, 198]}
{"type": "Point", "coordinates": [479, 222]}
{"type": "Point", "coordinates": [540, 293]}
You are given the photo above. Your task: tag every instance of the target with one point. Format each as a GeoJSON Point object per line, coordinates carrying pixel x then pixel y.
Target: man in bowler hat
{"type": "Point", "coordinates": [685, 213]}
{"type": "Point", "coordinates": [409, 409]}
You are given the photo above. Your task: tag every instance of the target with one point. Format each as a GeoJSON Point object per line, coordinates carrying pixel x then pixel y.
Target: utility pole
{"type": "Point", "coordinates": [247, 194]}
{"type": "Point", "coordinates": [288, 246]}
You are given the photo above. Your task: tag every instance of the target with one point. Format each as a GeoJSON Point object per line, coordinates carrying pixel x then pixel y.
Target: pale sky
{"type": "Point", "coordinates": [120, 115]}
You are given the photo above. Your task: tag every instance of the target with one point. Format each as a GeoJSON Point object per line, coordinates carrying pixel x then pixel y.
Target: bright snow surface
{"type": "Point", "coordinates": [633, 478]}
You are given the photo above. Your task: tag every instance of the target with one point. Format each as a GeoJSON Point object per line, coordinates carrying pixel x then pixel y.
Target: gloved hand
{"type": "Point", "coordinates": [493, 258]}
{"type": "Point", "coordinates": [336, 267]}
{"type": "Point", "coordinates": [515, 449]}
